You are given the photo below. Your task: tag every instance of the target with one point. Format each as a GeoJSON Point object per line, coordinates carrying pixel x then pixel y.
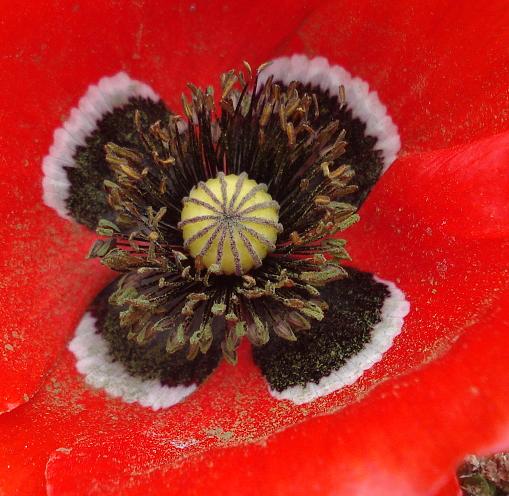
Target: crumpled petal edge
{"type": "Point", "coordinates": [365, 104]}
{"type": "Point", "coordinates": [395, 308]}
{"type": "Point", "coordinates": [100, 370]}
{"type": "Point", "coordinates": [109, 93]}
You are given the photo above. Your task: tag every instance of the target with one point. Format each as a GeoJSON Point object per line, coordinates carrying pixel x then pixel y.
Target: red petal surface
{"type": "Point", "coordinates": [51, 52]}
{"type": "Point", "coordinates": [405, 437]}
{"type": "Point", "coordinates": [442, 67]}
{"type": "Point", "coordinates": [436, 224]}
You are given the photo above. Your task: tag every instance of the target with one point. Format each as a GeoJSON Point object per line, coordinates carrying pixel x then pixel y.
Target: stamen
{"type": "Point", "coordinates": [220, 188]}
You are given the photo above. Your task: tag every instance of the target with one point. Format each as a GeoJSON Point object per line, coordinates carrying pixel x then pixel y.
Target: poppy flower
{"type": "Point", "coordinates": [435, 224]}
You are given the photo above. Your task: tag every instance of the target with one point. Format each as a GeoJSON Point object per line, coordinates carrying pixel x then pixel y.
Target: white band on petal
{"type": "Point", "coordinates": [395, 308]}
{"type": "Point", "coordinates": [94, 361]}
{"type": "Point", "coordinates": [365, 104]}
{"type": "Point", "coordinates": [108, 94]}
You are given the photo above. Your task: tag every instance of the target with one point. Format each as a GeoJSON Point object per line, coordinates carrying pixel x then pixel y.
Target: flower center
{"type": "Point", "coordinates": [230, 223]}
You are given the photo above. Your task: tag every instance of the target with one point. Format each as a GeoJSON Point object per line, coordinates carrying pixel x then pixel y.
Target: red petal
{"type": "Point", "coordinates": [438, 225]}
{"type": "Point", "coordinates": [39, 305]}
{"type": "Point", "coordinates": [405, 439]}
{"type": "Point", "coordinates": [442, 69]}
{"type": "Point", "coordinates": [423, 422]}
{"type": "Point", "coordinates": [124, 440]}
{"type": "Point", "coordinates": [52, 53]}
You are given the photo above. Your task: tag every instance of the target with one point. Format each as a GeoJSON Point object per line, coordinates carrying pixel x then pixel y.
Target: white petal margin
{"type": "Point", "coordinates": [95, 363]}
{"type": "Point", "coordinates": [365, 104]}
{"type": "Point", "coordinates": [109, 93]}
{"type": "Point", "coordinates": [394, 309]}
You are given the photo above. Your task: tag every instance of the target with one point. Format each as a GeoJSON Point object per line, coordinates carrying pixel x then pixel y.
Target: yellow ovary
{"type": "Point", "coordinates": [230, 221]}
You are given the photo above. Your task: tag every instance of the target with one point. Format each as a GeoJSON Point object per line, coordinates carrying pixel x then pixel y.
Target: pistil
{"type": "Point", "coordinates": [230, 222]}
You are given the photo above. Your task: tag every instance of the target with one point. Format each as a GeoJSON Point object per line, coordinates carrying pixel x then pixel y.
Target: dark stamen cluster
{"type": "Point", "coordinates": [267, 135]}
